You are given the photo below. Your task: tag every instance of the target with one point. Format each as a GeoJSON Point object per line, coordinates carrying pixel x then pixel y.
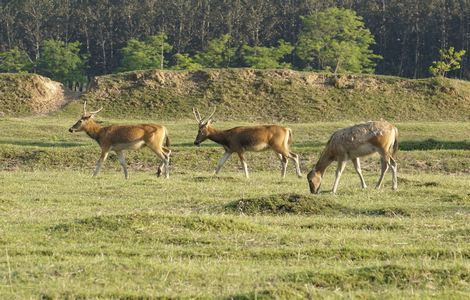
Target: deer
{"type": "Point", "coordinates": [118, 138]}
{"type": "Point", "coordinates": [247, 138]}
{"type": "Point", "coordinates": [354, 142]}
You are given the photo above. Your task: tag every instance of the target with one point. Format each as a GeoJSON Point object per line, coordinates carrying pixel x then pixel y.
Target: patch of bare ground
{"type": "Point", "coordinates": [32, 94]}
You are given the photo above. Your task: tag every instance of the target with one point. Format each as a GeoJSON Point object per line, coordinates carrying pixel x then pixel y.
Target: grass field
{"type": "Point", "coordinates": [64, 234]}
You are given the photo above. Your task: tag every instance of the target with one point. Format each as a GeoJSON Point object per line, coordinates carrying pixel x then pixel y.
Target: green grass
{"type": "Point", "coordinates": [249, 95]}
{"type": "Point", "coordinates": [279, 95]}
{"type": "Point", "coordinates": [64, 234]}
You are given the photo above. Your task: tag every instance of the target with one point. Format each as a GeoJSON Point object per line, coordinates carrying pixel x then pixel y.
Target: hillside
{"type": "Point", "coordinates": [246, 95]}
{"type": "Point", "coordinates": [279, 95]}
{"type": "Point", "coordinates": [31, 94]}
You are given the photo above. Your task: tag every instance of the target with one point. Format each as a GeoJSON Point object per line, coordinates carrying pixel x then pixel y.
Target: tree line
{"type": "Point", "coordinates": [408, 34]}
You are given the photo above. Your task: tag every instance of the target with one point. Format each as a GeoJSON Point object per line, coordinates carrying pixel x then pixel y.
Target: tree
{"type": "Point", "coordinates": [149, 54]}
{"type": "Point", "coordinates": [406, 31]}
{"type": "Point", "coordinates": [336, 39]}
{"type": "Point", "coordinates": [62, 62]}
{"type": "Point", "coordinates": [217, 55]}
{"type": "Point", "coordinates": [265, 57]}
{"type": "Point", "coordinates": [450, 60]}
{"type": "Point", "coordinates": [15, 61]}
{"type": "Point", "coordinates": [185, 62]}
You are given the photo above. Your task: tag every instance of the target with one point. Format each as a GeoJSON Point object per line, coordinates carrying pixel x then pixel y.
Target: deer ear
{"type": "Point", "coordinates": [209, 122]}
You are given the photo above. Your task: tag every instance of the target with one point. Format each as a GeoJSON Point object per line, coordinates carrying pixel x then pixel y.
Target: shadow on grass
{"type": "Point", "coordinates": [312, 144]}
{"type": "Point", "coordinates": [417, 183]}
{"type": "Point", "coordinates": [42, 144]}
{"type": "Point", "coordinates": [371, 278]}
{"type": "Point", "coordinates": [282, 204]}
{"type": "Point", "coordinates": [432, 144]}
{"type": "Point", "coordinates": [218, 178]}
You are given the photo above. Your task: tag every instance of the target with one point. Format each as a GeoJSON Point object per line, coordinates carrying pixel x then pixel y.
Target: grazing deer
{"type": "Point", "coordinates": [354, 142]}
{"type": "Point", "coordinates": [118, 138]}
{"type": "Point", "coordinates": [248, 138]}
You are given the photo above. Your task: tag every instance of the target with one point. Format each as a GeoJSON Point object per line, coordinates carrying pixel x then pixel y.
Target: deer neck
{"type": "Point", "coordinates": [322, 163]}
{"type": "Point", "coordinates": [92, 129]}
{"type": "Point", "coordinates": [218, 136]}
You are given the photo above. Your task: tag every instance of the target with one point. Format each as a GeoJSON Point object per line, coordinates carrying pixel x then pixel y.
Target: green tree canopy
{"type": "Point", "coordinates": [336, 39]}
{"type": "Point", "coordinates": [267, 57]}
{"type": "Point", "coordinates": [184, 62]}
{"type": "Point", "coordinates": [62, 61]}
{"type": "Point", "coordinates": [149, 54]}
{"type": "Point", "coordinates": [450, 60]}
{"type": "Point", "coordinates": [218, 54]}
{"type": "Point", "coordinates": [14, 61]}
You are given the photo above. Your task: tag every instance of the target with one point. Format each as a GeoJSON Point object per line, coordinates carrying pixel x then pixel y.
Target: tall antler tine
{"type": "Point", "coordinates": [84, 108]}
{"type": "Point", "coordinates": [213, 112]}
{"type": "Point", "coordinates": [197, 115]}
{"type": "Point", "coordinates": [95, 112]}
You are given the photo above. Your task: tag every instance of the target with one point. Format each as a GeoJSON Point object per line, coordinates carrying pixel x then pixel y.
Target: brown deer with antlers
{"type": "Point", "coordinates": [118, 138]}
{"type": "Point", "coordinates": [248, 138]}
{"type": "Point", "coordinates": [354, 142]}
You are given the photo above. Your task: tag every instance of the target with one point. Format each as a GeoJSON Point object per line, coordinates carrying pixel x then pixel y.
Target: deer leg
{"type": "Point", "coordinates": [339, 171]}
{"type": "Point", "coordinates": [122, 161]}
{"type": "Point", "coordinates": [394, 168]}
{"type": "Point", "coordinates": [164, 157]}
{"type": "Point", "coordinates": [245, 166]}
{"type": "Point", "coordinates": [357, 165]}
{"type": "Point", "coordinates": [384, 167]}
{"type": "Point", "coordinates": [295, 158]}
{"type": "Point", "coordinates": [221, 162]}
{"type": "Point", "coordinates": [99, 163]}
{"type": "Point", "coordinates": [284, 162]}
{"type": "Point", "coordinates": [166, 163]}
{"type": "Point", "coordinates": [166, 152]}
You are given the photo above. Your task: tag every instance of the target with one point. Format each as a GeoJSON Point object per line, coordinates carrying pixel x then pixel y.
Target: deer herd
{"type": "Point", "coordinates": [345, 144]}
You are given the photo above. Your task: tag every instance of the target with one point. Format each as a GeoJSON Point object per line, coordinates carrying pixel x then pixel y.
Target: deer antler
{"type": "Point", "coordinates": [95, 112]}
{"type": "Point", "coordinates": [206, 119]}
{"type": "Point", "coordinates": [197, 115]}
{"type": "Point", "coordinates": [91, 113]}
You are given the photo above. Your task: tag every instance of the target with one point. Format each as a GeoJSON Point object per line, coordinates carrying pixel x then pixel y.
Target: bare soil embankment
{"type": "Point", "coordinates": [279, 95]}
{"type": "Point", "coordinates": [31, 94]}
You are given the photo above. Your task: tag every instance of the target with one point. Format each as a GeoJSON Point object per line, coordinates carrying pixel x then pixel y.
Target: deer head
{"type": "Point", "coordinates": [84, 120]}
{"type": "Point", "coordinates": [204, 124]}
{"type": "Point", "coordinates": [314, 181]}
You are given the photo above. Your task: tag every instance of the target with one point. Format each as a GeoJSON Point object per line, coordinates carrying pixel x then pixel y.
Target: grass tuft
{"type": "Point", "coordinates": [389, 275]}
{"type": "Point", "coordinates": [286, 204]}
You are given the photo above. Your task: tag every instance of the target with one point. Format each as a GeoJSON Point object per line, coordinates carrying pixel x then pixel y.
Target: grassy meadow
{"type": "Point", "coordinates": [64, 234]}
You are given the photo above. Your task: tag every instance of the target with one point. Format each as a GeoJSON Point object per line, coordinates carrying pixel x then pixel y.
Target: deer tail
{"type": "Point", "coordinates": [167, 138]}
{"type": "Point", "coordinates": [289, 137]}
{"type": "Point", "coordinates": [395, 143]}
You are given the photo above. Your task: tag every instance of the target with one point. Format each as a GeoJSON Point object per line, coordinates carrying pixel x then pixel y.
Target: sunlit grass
{"type": "Point", "coordinates": [66, 234]}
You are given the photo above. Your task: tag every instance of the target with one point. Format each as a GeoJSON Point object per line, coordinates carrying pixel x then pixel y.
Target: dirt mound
{"type": "Point", "coordinates": [278, 96]}
{"type": "Point", "coordinates": [31, 94]}
{"type": "Point", "coordinates": [286, 204]}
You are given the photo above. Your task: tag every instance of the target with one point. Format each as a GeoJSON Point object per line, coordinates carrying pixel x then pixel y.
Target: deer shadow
{"type": "Point", "coordinates": [432, 144]}
{"type": "Point", "coordinates": [42, 144]}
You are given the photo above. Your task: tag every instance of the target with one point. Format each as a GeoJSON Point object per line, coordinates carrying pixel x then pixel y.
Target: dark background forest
{"type": "Point", "coordinates": [408, 33]}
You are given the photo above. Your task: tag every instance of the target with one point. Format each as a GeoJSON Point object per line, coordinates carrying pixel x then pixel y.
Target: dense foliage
{"type": "Point", "coordinates": [337, 40]}
{"type": "Point", "coordinates": [61, 61]}
{"type": "Point", "coordinates": [149, 54]}
{"type": "Point", "coordinates": [408, 34]}
{"type": "Point", "coordinates": [450, 60]}
{"type": "Point", "coordinates": [14, 61]}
